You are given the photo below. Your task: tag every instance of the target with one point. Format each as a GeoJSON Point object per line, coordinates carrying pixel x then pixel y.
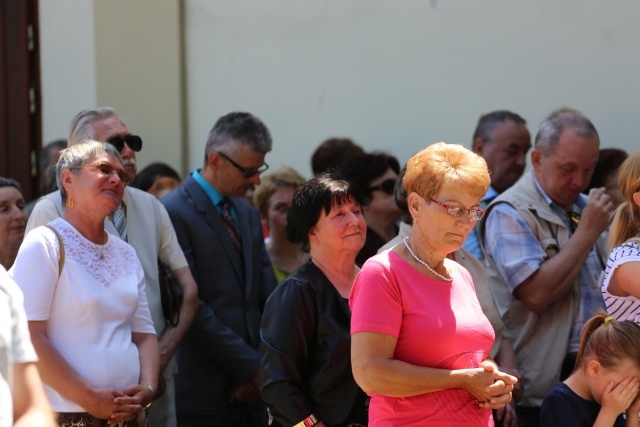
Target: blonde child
{"type": "Point", "coordinates": [604, 382]}
{"type": "Point", "coordinates": [621, 287]}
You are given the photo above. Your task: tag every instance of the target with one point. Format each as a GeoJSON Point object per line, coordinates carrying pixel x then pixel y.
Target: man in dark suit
{"type": "Point", "coordinates": [222, 240]}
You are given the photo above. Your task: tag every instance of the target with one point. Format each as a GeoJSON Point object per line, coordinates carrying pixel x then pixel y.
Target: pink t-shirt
{"type": "Point", "coordinates": [437, 324]}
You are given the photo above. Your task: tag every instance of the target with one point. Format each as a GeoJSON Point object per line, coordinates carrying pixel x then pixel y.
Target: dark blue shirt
{"type": "Point", "coordinates": [562, 407]}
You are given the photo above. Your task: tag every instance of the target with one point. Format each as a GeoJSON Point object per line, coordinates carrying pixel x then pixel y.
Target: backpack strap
{"type": "Point", "coordinates": [61, 259]}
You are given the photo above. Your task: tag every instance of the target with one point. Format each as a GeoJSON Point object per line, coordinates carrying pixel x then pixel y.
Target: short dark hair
{"type": "Point", "coordinates": [43, 161]}
{"type": "Point", "coordinates": [400, 197]}
{"type": "Point", "coordinates": [319, 193]}
{"type": "Point", "coordinates": [145, 179]}
{"type": "Point", "coordinates": [609, 161]}
{"type": "Point", "coordinates": [236, 129]}
{"type": "Point", "coordinates": [48, 180]}
{"type": "Point", "coordinates": [333, 153]}
{"type": "Point", "coordinates": [489, 121]}
{"type": "Point", "coordinates": [9, 182]}
{"type": "Point", "coordinates": [363, 169]}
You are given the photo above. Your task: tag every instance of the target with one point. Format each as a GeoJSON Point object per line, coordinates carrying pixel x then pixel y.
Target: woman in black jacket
{"type": "Point", "coordinates": [306, 374]}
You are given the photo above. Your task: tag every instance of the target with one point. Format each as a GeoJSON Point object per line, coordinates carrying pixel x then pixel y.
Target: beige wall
{"type": "Point", "coordinates": [130, 55]}
{"type": "Point", "coordinates": [67, 63]}
{"type": "Point", "coordinates": [394, 76]}
{"type": "Point", "coordinates": [398, 75]}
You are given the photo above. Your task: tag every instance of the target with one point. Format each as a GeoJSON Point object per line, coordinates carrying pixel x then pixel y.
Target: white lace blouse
{"type": "Point", "coordinates": [91, 309]}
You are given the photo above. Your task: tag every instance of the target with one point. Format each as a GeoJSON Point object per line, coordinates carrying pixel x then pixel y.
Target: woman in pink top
{"type": "Point", "coordinates": [419, 337]}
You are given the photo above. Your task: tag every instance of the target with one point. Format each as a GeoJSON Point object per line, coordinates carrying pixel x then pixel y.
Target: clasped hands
{"type": "Point", "coordinates": [246, 392]}
{"type": "Point", "coordinates": [491, 387]}
{"type": "Point", "coordinates": [117, 406]}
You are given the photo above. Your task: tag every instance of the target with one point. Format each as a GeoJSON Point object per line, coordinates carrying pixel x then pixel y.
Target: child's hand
{"type": "Point", "coordinates": [616, 399]}
{"type": "Point", "coordinates": [634, 408]}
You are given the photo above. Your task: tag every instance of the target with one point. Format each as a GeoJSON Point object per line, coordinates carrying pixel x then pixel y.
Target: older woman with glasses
{"type": "Point", "coordinates": [85, 299]}
{"type": "Point", "coordinates": [419, 337]}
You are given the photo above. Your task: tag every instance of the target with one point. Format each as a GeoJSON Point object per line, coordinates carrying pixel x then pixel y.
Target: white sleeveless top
{"type": "Point", "coordinates": [621, 308]}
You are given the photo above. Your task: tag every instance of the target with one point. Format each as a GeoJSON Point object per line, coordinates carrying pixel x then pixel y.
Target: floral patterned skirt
{"type": "Point", "coordinates": [83, 419]}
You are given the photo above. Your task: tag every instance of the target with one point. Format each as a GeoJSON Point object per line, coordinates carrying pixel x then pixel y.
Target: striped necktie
{"type": "Point", "coordinates": [225, 213]}
{"type": "Point", "coordinates": [119, 219]}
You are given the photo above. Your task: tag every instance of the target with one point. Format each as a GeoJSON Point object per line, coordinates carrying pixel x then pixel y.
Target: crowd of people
{"type": "Point", "coordinates": [453, 290]}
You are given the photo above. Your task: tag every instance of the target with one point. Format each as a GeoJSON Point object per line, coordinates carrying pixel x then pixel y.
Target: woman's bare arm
{"type": "Point", "coordinates": [30, 405]}
{"type": "Point", "coordinates": [59, 375]}
{"type": "Point", "coordinates": [376, 371]}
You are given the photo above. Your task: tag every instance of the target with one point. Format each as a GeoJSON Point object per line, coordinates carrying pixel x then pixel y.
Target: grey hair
{"type": "Point", "coordinates": [551, 128]}
{"type": "Point", "coordinates": [75, 156]}
{"type": "Point", "coordinates": [238, 129]}
{"type": "Point", "coordinates": [81, 129]}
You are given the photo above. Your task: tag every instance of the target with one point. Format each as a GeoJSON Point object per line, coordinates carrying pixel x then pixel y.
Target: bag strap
{"type": "Point", "coordinates": [61, 259]}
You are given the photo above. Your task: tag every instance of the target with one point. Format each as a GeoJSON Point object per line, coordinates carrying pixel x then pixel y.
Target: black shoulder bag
{"type": "Point", "coordinates": [170, 294]}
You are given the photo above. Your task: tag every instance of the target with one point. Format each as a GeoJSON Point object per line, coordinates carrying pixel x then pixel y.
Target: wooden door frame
{"type": "Point", "coordinates": [20, 113]}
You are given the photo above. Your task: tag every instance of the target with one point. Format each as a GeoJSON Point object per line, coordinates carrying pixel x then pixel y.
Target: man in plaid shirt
{"type": "Point", "coordinates": [544, 268]}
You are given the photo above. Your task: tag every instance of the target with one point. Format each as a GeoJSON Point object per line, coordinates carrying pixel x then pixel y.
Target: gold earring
{"type": "Point", "coordinates": [71, 202]}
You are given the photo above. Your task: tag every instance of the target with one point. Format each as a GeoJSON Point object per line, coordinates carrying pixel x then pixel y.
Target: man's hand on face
{"type": "Point", "coordinates": [596, 214]}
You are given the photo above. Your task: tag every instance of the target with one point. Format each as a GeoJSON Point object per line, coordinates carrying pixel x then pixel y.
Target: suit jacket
{"type": "Point", "coordinates": [222, 346]}
{"type": "Point", "coordinates": [151, 234]}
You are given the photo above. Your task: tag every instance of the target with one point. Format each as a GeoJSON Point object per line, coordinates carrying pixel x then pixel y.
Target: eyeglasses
{"type": "Point", "coordinates": [106, 169]}
{"type": "Point", "coordinates": [133, 141]}
{"type": "Point", "coordinates": [388, 186]}
{"type": "Point", "coordinates": [475, 214]}
{"type": "Point", "coordinates": [247, 173]}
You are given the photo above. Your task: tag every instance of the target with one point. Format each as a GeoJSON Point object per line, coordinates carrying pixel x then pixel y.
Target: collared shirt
{"type": "Point", "coordinates": [472, 244]}
{"type": "Point", "coordinates": [518, 254]}
{"type": "Point", "coordinates": [213, 194]}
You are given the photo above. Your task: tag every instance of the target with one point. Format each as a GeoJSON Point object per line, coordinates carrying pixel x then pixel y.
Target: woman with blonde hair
{"type": "Point", "coordinates": [420, 340]}
{"type": "Point", "coordinates": [621, 288]}
{"type": "Point", "coordinates": [273, 198]}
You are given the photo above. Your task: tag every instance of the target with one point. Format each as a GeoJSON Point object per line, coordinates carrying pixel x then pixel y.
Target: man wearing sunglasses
{"type": "Point", "coordinates": [144, 223]}
{"type": "Point", "coordinates": [221, 235]}
{"type": "Point", "coordinates": [374, 176]}
{"type": "Point", "coordinates": [544, 268]}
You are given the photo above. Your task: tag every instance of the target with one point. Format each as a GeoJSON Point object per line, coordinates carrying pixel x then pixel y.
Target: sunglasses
{"type": "Point", "coordinates": [475, 213]}
{"type": "Point", "coordinates": [247, 173]}
{"type": "Point", "coordinates": [388, 186]}
{"type": "Point", "coordinates": [133, 141]}
{"type": "Point", "coordinates": [106, 169]}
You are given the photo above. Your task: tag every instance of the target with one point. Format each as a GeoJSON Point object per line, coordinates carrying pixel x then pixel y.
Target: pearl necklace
{"type": "Point", "coordinates": [406, 243]}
